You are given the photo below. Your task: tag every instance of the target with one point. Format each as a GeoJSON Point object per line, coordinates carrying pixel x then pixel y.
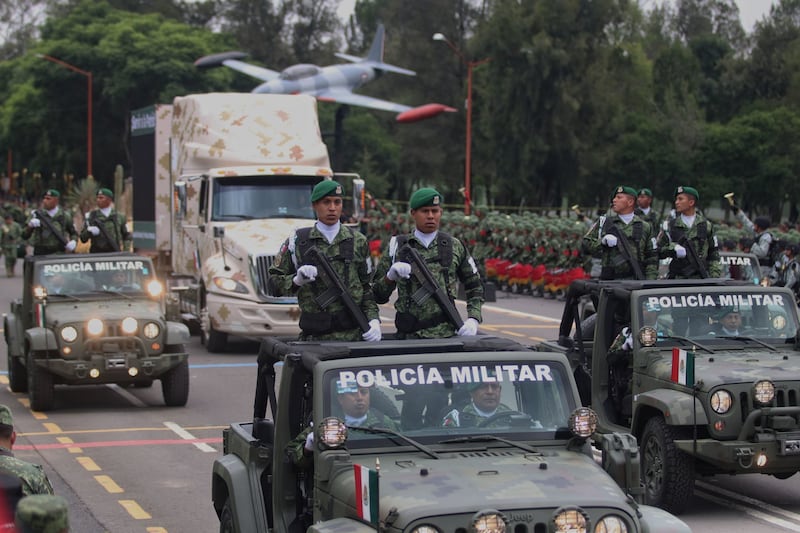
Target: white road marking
{"type": "Point", "coordinates": [182, 433]}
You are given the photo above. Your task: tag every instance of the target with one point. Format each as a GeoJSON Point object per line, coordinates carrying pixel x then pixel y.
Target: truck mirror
{"type": "Point", "coordinates": [358, 198]}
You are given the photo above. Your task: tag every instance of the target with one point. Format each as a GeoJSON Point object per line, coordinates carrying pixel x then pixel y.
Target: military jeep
{"type": "Point", "coordinates": [699, 398]}
{"type": "Point", "coordinates": [87, 319]}
{"type": "Point", "coordinates": [528, 467]}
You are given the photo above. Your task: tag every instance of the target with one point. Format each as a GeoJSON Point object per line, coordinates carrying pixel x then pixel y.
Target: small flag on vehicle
{"type": "Point", "coordinates": [366, 493]}
{"type": "Point", "coordinates": [683, 367]}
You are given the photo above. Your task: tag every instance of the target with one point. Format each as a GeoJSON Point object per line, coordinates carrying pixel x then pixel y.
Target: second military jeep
{"type": "Point", "coordinates": [704, 373]}
{"type": "Point", "coordinates": [91, 319]}
{"type": "Point", "coordinates": [430, 464]}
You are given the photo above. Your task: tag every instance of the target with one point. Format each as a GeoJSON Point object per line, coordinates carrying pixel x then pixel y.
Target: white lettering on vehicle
{"type": "Point", "coordinates": [98, 266]}
{"type": "Point", "coordinates": [421, 375]}
{"type": "Point", "coordinates": [718, 300]}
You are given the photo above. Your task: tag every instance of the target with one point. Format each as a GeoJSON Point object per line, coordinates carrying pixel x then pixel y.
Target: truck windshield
{"type": "Point", "coordinates": [429, 403]}
{"type": "Point", "coordinates": [252, 197]}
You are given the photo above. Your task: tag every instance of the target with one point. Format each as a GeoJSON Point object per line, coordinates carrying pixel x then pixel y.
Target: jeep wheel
{"type": "Point", "coordinates": [175, 385]}
{"type": "Point", "coordinates": [40, 386]}
{"type": "Point", "coordinates": [667, 472]}
{"type": "Point", "coordinates": [226, 524]}
{"type": "Point", "coordinates": [17, 375]}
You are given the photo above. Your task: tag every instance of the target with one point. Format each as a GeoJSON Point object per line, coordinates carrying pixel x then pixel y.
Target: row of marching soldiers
{"type": "Point", "coordinates": [50, 229]}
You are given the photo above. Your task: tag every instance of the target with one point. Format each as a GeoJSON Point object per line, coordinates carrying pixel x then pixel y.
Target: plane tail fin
{"type": "Point", "coordinates": [375, 56]}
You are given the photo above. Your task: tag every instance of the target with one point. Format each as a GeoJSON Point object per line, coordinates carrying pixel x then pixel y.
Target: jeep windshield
{"type": "Point", "coordinates": [85, 275]}
{"type": "Point", "coordinates": [719, 315]}
{"type": "Point", "coordinates": [438, 402]}
{"type": "Point", "coordinates": [256, 197]}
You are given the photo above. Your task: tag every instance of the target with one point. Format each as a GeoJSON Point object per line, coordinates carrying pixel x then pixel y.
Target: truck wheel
{"type": "Point", "coordinates": [667, 472]}
{"type": "Point", "coordinates": [40, 387]}
{"type": "Point", "coordinates": [17, 375]}
{"type": "Point", "coordinates": [214, 341]}
{"type": "Point", "coordinates": [175, 385]}
{"type": "Point", "coordinates": [226, 523]}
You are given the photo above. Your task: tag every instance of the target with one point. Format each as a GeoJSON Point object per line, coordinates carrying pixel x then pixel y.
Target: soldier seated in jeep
{"type": "Point", "coordinates": [484, 404]}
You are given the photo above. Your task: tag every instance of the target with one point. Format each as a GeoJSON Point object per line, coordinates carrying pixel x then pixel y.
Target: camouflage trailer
{"type": "Point", "coordinates": [704, 373]}
{"type": "Point", "coordinates": [87, 319]}
{"type": "Point", "coordinates": [527, 467]}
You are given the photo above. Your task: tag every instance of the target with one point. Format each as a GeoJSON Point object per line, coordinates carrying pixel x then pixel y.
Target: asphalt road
{"type": "Point", "coordinates": [127, 464]}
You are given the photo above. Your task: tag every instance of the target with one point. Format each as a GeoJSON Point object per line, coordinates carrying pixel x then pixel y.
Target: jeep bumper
{"type": "Point", "coordinates": [117, 368]}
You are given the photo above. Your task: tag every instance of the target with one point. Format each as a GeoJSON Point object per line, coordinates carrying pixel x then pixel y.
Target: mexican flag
{"type": "Point", "coordinates": [366, 493]}
{"type": "Point", "coordinates": [38, 312]}
{"type": "Point", "coordinates": [683, 367]}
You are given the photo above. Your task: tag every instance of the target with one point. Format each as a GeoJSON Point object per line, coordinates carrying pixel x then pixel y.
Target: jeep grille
{"type": "Point", "coordinates": [784, 397]}
{"type": "Point", "coordinates": [262, 264]}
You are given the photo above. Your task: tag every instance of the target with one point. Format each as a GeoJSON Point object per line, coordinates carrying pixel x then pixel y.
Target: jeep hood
{"type": "Point", "coordinates": [112, 308]}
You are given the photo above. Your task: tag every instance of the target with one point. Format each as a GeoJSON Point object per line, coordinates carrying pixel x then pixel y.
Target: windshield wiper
{"type": "Point", "coordinates": [62, 295]}
{"type": "Point", "coordinates": [687, 339]}
{"type": "Point", "coordinates": [490, 438]}
{"type": "Point", "coordinates": [115, 293]}
{"type": "Point", "coordinates": [748, 338]}
{"type": "Point", "coordinates": [384, 431]}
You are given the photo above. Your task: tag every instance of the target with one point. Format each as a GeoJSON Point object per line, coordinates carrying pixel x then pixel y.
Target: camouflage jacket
{"type": "Point", "coordinates": [468, 416]}
{"type": "Point", "coordinates": [651, 217]}
{"type": "Point", "coordinates": [613, 263]}
{"type": "Point", "coordinates": [333, 322]}
{"type": "Point", "coordinates": [462, 268]}
{"type": "Point", "coordinates": [42, 238]}
{"type": "Point", "coordinates": [10, 237]}
{"type": "Point", "coordinates": [34, 480]}
{"type": "Point", "coordinates": [116, 227]}
{"type": "Point", "coordinates": [702, 237]}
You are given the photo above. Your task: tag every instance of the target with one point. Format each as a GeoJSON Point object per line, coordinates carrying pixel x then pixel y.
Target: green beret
{"type": "Point", "coordinates": [52, 192]}
{"type": "Point", "coordinates": [425, 197]}
{"type": "Point", "coordinates": [646, 192]}
{"type": "Point", "coordinates": [622, 189]}
{"type": "Point", "coordinates": [687, 190]}
{"type": "Point", "coordinates": [105, 192]}
{"type": "Point", "coordinates": [326, 188]}
{"type": "Point", "coordinates": [43, 513]}
{"type": "Point", "coordinates": [5, 416]}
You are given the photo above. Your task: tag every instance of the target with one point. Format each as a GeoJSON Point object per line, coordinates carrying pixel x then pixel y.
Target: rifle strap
{"type": "Point", "coordinates": [346, 249]}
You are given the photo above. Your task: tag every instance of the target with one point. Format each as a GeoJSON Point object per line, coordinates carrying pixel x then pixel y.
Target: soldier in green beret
{"type": "Point", "coordinates": [10, 240]}
{"type": "Point", "coordinates": [294, 273]}
{"type": "Point", "coordinates": [51, 229]}
{"type": "Point", "coordinates": [42, 514]}
{"type": "Point", "coordinates": [34, 480]}
{"type": "Point", "coordinates": [601, 239]}
{"type": "Point", "coordinates": [644, 209]}
{"type": "Point", "coordinates": [107, 228]}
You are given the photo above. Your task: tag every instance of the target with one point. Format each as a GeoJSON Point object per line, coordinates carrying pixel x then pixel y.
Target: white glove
{"type": "Point", "coordinates": [469, 329]}
{"type": "Point", "coordinates": [628, 344]}
{"type": "Point", "coordinates": [305, 274]}
{"type": "Point", "coordinates": [34, 223]}
{"type": "Point", "coordinates": [94, 230]}
{"type": "Point", "coordinates": [309, 445]}
{"type": "Point", "coordinates": [374, 333]}
{"type": "Point", "coordinates": [399, 270]}
{"type": "Point", "coordinates": [680, 251]}
{"type": "Point", "coordinates": [609, 240]}
{"type": "Point", "coordinates": [71, 246]}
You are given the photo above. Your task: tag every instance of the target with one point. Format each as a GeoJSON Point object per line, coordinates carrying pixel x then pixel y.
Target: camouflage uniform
{"type": "Point", "coordinates": [705, 245]}
{"type": "Point", "coordinates": [354, 274]}
{"type": "Point", "coordinates": [10, 239]}
{"type": "Point", "coordinates": [115, 225]}
{"type": "Point", "coordinates": [614, 265]}
{"type": "Point", "coordinates": [34, 480]}
{"type": "Point", "coordinates": [468, 417]}
{"type": "Point", "coordinates": [42, 514]}
{"type": "Point", "coordinates": [43, 240]}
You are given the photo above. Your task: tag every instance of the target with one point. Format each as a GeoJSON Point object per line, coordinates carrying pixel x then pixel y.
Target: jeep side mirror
{"type": "Point", "coordinates": [219, 232]}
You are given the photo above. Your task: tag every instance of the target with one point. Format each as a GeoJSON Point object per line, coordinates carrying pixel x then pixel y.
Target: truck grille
{"type": "Point", "coordinates": [261, 264]}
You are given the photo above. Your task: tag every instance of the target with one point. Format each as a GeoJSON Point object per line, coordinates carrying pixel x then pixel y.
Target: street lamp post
{"type": "Point", "coordinates": [468, 148]}
{"type": "Point", "coordinates": [88, 105]}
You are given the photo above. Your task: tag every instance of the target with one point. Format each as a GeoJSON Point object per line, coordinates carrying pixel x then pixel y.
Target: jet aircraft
{"type": "Point", "coordinates": [333, 83]}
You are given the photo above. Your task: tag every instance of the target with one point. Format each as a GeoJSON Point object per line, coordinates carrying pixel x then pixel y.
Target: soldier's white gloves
{"type": "Point", "coordinates": [34, 223]}
{"type": "Point", "coordinates": [71, 246]}
{"type": "Point", "coordinates": [609, 240]}
{"type": "Point", "coordinates": [374, 333]}
{"type": "Point", "coordinates": [399, 270]}
{"type": "Point", "coordinates": [94, 230]}
{"type": "Point", "coordinates": [680, 251]}
{"type": "Point", "coordinates": [628, 344]}
{"type": "Point", "coordinates": [309, 445]}
{"type": "Point", "coordinates": [469, 329]}
{"type": "Point", "coordinates": [305, 274]}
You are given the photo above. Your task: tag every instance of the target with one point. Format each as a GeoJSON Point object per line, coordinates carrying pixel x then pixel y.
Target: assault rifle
{"type": "Point", "coordinates": [428, 285]}
{"type": "Point", "coordinates": [625, 250]}
{"type": "Point", "coordinates": [336, 288]}
{"type": "Point", "coordinates": [691, 253]}
{"type": "Point", "coordinates": [103, 231]}
{"type": "Point", "coordinates": [56, 233]}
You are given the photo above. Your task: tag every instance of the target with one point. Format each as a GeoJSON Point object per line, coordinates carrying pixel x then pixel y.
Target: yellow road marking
{"type": "Point", "coordinates": [4, 380]}
{"type": "Point", "coordinates": [67, 440]}
{"type": "Point", "coordinates": [135, 510]}
{"type": "Point", "coordinates": [52, 428]}
{"type": "Point", "coordinates": [89, 464]}
{"type": "Point", "coordinates": [156, 529]}
{"type": "Point", "coordinates": [107, 483]}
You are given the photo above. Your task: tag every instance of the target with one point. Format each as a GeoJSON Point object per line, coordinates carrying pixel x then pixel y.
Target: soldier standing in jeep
{"type": "Point", "coordinates": [51, 229]}
{"type": "Point", "coordinates": [106, 227]}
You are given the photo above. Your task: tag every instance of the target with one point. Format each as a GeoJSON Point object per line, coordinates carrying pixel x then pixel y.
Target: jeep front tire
{"type": "Point", "coordinates": [17, 375]}
{"type": "Point", "coordinates": [40, 386]}
{"type": "Point", "coordinates": [667, 472]}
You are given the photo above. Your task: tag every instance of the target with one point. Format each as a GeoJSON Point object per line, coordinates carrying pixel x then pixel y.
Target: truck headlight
{"type": "Point", "coordinates": [69, 334]}
{"type": "Point", "coordinates": [151, 330]}
{"type": "Point", "coordinates": [488, 521]}
{"type": "Point", "coordinates": [611, 524]}
{"type": "Point", "coordinates": [764, 391]}
{"type": "Point", "coordinates": [583, 422]}
{"type": "Point", "coordinates": [721, 401]}
{"type": "Point", "coordinates": [230, 285]}
{"type": "Point", "coordinates": [570, 520]}
{"type": "Point", "coordinates": [332, 432]}
{"type": "Point", "coordinates": [94, 326]}
{"type": "Point", "coordinates": [129, 325]}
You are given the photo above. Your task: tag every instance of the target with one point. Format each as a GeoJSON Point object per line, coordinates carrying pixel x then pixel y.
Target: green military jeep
{"type": "Point", "coordinates": [90, 319]}
{"type": "Point", "coordinates": [399, 444]}
{"type": "Point", "coordinates": [704, 373]}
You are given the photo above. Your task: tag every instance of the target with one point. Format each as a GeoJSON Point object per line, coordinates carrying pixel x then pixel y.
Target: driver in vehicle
{"type": "Point", "coordinates": [730, 323]}
{"type": "Point", "coordinates": [484, 403]}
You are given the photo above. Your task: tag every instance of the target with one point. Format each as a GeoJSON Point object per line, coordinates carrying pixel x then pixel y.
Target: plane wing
{"type": "Point", "coordinates": [346, 97]}
{"type": "Point", "coordinates": [231, 60]}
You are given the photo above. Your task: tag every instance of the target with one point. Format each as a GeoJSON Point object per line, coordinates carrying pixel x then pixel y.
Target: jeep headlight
{"type": "Point", "coordinates": [94, 326]}
{"type": "Point", "coordinates": [230, 285]}
{"type": "Point", "coordinates": [69, 334]}
{"type": "Point", "coordinates": [721, 401]}
{"type": "Point", "coordinates": [611, 524]}
{"type": "Point", "coordinates": [332, 432]}
{"type": "Point", "coordinates": [648, 336]}
{"type": "Point", "coordinates": [488, 521]}
{"type": "Point", "coordinates": [583, 422]}
{"type": "Point", "coordinates": [151, 330]}
{"type": "Point", "coordinates": [764, 391]}
{"type": "Point", "coordinates": [154, 288]}
{"type": "Point", "coordinates": [778, 322]}
{"type": "Point", "coordinates": [570, 520]}
{"type": "Point", "coordinates": [129, 325]}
